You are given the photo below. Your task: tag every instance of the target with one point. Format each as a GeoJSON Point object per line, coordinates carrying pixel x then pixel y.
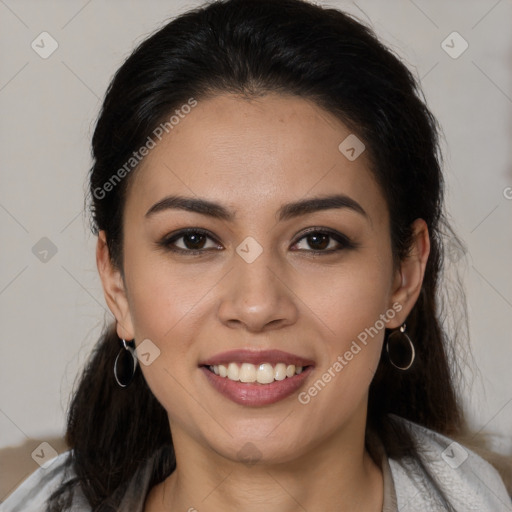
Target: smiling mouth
{"type": "Point", "coordinates": [264, 373]}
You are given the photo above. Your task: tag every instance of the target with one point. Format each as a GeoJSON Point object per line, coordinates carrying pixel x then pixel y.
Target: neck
{"type": "Point", "coordinates": [337, 474]}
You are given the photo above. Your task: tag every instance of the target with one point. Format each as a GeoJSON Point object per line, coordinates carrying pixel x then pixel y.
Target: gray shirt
{"type": "Point", "coordinates": [443, 474]}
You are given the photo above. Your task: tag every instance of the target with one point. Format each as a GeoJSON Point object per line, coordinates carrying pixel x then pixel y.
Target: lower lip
{"type": "Point", "coordinates": [253, 394]}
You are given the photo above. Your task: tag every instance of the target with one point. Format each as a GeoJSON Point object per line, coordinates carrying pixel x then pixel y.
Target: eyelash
{"type": "Point", "coordinates": [343, 240]}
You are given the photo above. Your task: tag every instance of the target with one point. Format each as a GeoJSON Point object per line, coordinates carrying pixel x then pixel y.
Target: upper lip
{"type": "Point", "coordinates": [256, 357]}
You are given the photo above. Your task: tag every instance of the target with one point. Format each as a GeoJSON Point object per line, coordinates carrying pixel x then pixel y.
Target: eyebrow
{"type": "Point", "coordinates": [285, 212]}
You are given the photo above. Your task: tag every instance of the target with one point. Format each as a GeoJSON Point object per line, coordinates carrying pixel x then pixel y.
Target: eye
{"type": "Point", "coordinates": [324, 241]}
{"type": "Point", "coordinates": [194, 241]}
{"type": "Point", "coordinates": [191, 241]}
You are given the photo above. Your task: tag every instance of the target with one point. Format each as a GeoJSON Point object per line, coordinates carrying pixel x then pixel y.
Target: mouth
{"type": "Point", "coordinates": [256, 378]}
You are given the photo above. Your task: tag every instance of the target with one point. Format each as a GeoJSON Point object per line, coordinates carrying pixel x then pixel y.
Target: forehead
{"type": "Point", "coordinates": [254, 155]}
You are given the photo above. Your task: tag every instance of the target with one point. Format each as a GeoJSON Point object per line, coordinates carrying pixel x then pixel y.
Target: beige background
{"type": "Point", "coordinates": [52, 312]}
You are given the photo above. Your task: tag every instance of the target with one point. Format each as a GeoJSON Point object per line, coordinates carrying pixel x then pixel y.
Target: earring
{"type": "Point", "coordinates": [125, 364]}
{"type": "Point", "coordinates": [398, 339]}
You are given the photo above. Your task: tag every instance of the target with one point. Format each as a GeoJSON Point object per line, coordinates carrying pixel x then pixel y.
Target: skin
{"type": "Point", "coordinates": [252, 156]}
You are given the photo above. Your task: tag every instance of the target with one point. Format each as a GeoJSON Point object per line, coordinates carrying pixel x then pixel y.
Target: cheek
{"type": "Point", "coordinates": [352, 324]}
{"type": "Point", "coordinates": [161, 304]}
{"type": "Point", "coordinates": [164, 306]}
{"type": "Point", "coordinates": [163, 296]}
{"type": "Point", "coordinates": [349, 300]}
{"type": "Point", "coordinates": [351, 308]}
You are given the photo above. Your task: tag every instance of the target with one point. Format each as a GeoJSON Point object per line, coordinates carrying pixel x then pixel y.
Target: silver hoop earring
{"type": "Point", "coordinates": [125, 364]}
{"type": "Point", "coordinates": [399, 339]}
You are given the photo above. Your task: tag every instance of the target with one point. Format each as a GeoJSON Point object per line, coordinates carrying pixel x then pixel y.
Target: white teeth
{"type": "Point", "coordinates": [265, 373]}
{"type": "Point", "coordinates": [280, 371]}
{"type": "Point", "coordinates": [233, 371]}
{"type": "Point", "coordinates": [247, 373]}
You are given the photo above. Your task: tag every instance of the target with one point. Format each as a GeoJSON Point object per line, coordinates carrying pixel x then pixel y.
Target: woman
{"type": "Point", "coordinates": [268, 200]}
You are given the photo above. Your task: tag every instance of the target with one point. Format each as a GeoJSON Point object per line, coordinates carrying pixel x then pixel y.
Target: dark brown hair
{"type": "Point", "coordinates": [253, 47]}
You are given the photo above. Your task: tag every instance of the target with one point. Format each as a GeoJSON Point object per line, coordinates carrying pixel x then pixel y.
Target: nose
{"type": "Point", "coordinates": [256, 296]}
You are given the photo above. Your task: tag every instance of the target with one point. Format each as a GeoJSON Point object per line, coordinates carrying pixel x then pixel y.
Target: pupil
{"type": "Point", "coordinates": [194, 241]}
{"type": "Point", "coordinates": [313, 241]}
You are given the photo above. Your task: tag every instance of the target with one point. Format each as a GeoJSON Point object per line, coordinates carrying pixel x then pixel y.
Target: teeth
{"type": "Point", "coordinates": [233, 371]}
{"type": "Point", "coordinates": [247, 373]}
{"type": "Point", "coordinates": [264, 373]}
{"type": "Point", "coordinates": [280, 371]}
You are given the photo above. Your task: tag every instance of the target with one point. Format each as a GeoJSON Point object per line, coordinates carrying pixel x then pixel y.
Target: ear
{"type": "Point", "coordinates": [409, 276]}
{"type": "Point", "coordinates": [114, 289]}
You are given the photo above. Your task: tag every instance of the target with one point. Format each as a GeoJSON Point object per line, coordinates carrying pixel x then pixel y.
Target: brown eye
{"type": "Point", "coordinates": [194, 240]}
{"type": "Point", "coordinates": [191, 241]}
{"type": "Point", "coordinates": [322, 241]}
{"type": "Point", "coordinates": [318, 241]}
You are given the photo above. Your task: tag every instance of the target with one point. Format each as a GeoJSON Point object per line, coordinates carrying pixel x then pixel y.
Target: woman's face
{"type": "Point", "coordinates": [258, 272]}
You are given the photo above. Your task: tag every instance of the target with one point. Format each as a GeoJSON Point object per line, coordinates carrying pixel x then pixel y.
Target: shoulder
{"type": "Point", "coordinates": [447, 475]}
{"type": "Point", "coordinates": [33, 493]}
